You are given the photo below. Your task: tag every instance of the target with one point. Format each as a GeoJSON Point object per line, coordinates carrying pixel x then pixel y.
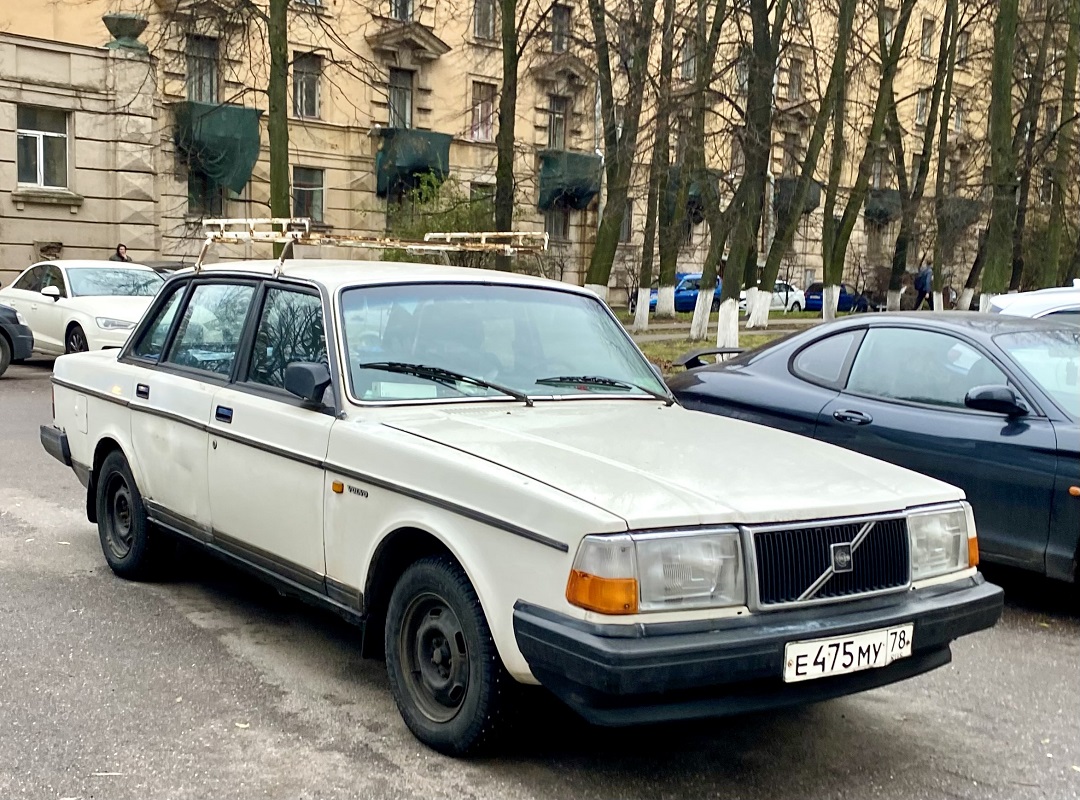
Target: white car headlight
{"type": "Point", "coordinates": [628, 573]}
{"type": "Point", "coordinates": [19, 318]}
{"type": "Point", "coordinates": [942, 541]}
{"type": "Point", "coordinates": [110, 324]}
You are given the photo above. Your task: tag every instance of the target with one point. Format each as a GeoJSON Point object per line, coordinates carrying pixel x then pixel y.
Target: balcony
{"type": "Point", "coordinates": [405, 154]}
{"type": "Point", "coordinates": [219, 141]}
{"type": "Point", "coordinates": [784, 197]}
{"type": "Point", "coordinates": [569, 180]}
{"type": "Point", "coordinates": [883, 205]}
{"type": "Point", "coordinates": [695, 195]}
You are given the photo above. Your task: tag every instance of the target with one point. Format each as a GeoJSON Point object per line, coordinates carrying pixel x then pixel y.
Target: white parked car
{"type": "Point", "coordinates": [785, 298]}
{"type": "Point", "coordinates": [483, 471]}
{"type": "Point", "coordinates": [72, 306]}
{"type": "Point", "coordinates": [1061, 303]}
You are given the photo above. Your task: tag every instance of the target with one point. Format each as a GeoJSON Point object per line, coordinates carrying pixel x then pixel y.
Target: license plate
{"type": "Point", "coordinates": [819, 658]}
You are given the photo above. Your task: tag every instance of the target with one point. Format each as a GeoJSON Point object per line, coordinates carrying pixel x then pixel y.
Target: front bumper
{"type": "Point", "coordinates": [55, 442]}
{"type": "Point", "coordinates": [629, 674]}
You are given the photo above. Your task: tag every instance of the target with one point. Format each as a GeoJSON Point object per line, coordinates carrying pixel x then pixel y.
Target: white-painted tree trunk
{"type": "Point", "coordinates": [699, 326]}
{"type": "Point", "coordinates": [665, 302]}
{"type": "Point", "coordinates": [758, 316]}
{"type": "Point", "coordinates": [964, 303]}
{"type": "Point", "coordinates": [751, 293]}
{"type": "Point", "coordinates": [984, 301]}
{"type": "Point", "coordinates": [641, 312]}
{"type": "Point", "coordinates": [892, 300]}
{"type": "Point", "coordinates": [600, 291]}
{"type": "Point", "coordinates": [939, 301]}
{"type": "Point", "coordinates": [727, 328]}
{"type": "Point", "coordinates": [830, 297]}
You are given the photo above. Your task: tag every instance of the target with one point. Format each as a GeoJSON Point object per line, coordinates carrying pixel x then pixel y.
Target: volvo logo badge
{"type": "Point", "coordinates": [842, 560]}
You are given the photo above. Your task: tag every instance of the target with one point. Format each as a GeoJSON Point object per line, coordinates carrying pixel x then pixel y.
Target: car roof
{"type": "Point", "coordinates": [972, 322]}
{"type": "Point", "coordinates": [85, 263]}
{"type": "Point", "coordinates": [1026, 303]}
{"type": "Point", "coordinates": [336, 274]}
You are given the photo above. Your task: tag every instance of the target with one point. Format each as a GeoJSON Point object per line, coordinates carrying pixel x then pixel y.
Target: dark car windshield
{"type": "Point", "coordinates": [814, 288]}
{"type": "Point", "coordinates": [113, 281]}
{"type": "Point", "coordinates": [539, 342]}
{"type": "Point", "coordinates": [1052, 359]}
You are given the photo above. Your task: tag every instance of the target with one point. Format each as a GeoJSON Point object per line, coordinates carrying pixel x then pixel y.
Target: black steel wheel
{"type": "Point", "coordinates": [445, 673]}
{"type": "Point", "coordinates": [716, 304]}
{"type": "Point", "coordinates": [127, 539]}
{"type": "Point", "coordinates": [75, 341]}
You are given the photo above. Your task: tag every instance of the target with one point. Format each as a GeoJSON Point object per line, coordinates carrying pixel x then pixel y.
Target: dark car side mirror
{"type": "Point", "coordinates": [308, 381]}
{"type": "Point", "coordinates": [997, 400]}
{"type": "Point", "coordinates": [52, 292]}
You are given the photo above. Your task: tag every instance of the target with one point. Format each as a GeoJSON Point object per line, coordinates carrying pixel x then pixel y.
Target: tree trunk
{"type": "Point", "coordinates": [949, 40]}
{"type": "Point", "coordinates": [277, 118]}
{"type": "Point", "coordinates": [1003, 165]}
{"type": "Point", "coordinates": [1055, 265]}
{"type": "Point", "coordinates": [972, 282]}
{"type": "Point", "coordinates": [504, 138]}
{"type": "Point", "coordinates": [669, 218]}
{"type": "Point", "coordinates": [648, 250]}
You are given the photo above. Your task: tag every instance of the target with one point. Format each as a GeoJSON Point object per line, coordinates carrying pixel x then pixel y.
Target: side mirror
{"type": "Point", "coordinates": [996, 400]}
{"type": "Point", "coordinates": [308, 381]}
{"type": "Point", "coordinates": [52, 292]}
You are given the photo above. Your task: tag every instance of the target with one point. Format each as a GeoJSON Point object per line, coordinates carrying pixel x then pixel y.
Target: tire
{"type": "Point", "coordinates": [716, 304]}
{"type": "Point", "coordinates": [5, 354]}
{"type": "Point", "coordinates": [796, 307]}
{"type": "Point", "coordinates": [445, 673]}
{"type": "Point", "coordinates": [75, 340]}
{"type": "Point", "coordinates": [633, 303]}
{"type": "Point", "coordinates": [129, 542]}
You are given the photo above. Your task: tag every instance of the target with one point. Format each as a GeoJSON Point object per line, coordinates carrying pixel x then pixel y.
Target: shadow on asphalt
{"type": "Point", "coordinates": [1028, 592]}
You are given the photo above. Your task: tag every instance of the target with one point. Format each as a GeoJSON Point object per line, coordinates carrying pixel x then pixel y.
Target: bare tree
{"type": "Point", "coordinates": [1055, 264]}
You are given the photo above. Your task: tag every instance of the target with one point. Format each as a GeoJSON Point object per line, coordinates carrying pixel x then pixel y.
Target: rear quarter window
{"type": "Point", "coordinates": [825, 361]}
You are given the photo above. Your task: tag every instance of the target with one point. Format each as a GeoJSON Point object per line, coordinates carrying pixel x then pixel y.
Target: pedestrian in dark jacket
{"type": "Point", "coordinates": [120, 254]}
{"type": "Point", "coordinates": [924, 285]}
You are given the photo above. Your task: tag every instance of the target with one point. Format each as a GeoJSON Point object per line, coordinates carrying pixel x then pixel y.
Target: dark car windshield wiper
{"type": "Point", "coordinates": [599, 380]}
{"type": "Point", "coordinates": [446, 377]}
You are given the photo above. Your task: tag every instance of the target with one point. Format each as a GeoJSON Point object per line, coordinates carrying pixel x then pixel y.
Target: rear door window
{"type": "Point", "coordinates": [209, 332]}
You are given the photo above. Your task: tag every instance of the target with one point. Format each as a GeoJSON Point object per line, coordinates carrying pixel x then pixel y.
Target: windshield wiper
{"type": "Point", "coordinates": [446, 377]}
{"type": "Point", "coordinates": [599, 380]}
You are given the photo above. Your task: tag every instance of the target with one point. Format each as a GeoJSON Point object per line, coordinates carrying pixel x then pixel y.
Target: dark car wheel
{"type": "Point", "coordinates": [445, 673]}
{"type": "Point", "coordinates": [716, 304]}
{"type": "Point", "coordinates": [75, 341]}
{"type": "Point", "coordinates": [633, 302]}
{"type": "Point", "coordinates": [5, 354]}
{"type": "Point", "coordinates": [128, 541]}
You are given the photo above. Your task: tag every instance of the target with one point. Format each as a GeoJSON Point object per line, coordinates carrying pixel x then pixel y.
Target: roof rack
{"type": "Point", "coordinates": [291, 231]}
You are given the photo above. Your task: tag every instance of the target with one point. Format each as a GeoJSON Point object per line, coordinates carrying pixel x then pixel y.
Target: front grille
{"type": "Point", "coordinates": [789, 561]}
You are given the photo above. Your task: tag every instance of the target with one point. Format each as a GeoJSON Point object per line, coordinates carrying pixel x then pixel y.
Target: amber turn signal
{"type": "Point", "coordinates": [604, 595]}
{"type": "Point", "coordinates": [338, 487]}
{"type": "Point", "coordinates": [973, 551]}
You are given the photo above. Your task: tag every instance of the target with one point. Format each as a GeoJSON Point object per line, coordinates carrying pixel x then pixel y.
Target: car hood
{"type": "Point", "coordinates": [129, 309]}
{"type": "Point", "coordinates": [657, 466]}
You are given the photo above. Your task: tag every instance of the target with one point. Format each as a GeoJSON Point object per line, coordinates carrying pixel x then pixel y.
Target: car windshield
{"type": "Point", "coordinates": [1052, 359]}
{"type": "Point", "coordinates": [113, 281]}
{"type": "Point", "coordinates": [537, 342]}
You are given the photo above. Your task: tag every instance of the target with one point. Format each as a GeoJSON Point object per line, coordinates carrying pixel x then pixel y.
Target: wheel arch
{"type": "Point", "coordinates": [105, 446]}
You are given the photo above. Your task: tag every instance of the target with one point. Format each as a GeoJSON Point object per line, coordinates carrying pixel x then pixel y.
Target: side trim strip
{"type": "Point", "coordinates": [110, 398]}
{"type": "Point", "coordinates": [268, 561]}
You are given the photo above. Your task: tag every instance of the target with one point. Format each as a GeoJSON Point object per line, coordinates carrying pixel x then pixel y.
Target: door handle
{"type": "Point", "coordinates": [852, 417]}
{"type": "Point", "coordinates": [142, 391]}
{"type": "Point", "coordinates": [223, 414]}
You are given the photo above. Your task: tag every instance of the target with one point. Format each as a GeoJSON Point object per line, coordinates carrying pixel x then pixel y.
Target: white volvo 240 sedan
{"type": "Point", "coordinates": [483, 472]}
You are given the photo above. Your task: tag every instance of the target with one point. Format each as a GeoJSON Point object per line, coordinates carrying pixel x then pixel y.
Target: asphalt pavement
{"type": "Point", "coordinates": [209, 685]}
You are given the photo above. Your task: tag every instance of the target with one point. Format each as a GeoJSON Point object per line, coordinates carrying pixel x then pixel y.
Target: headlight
{"type": "Point", "coordinates": [625, 574]}
{"type": "Point", "coordinates": [19, 318]}
{"type": "Point", "coordinates": [942, 541]}
{"type": "Point", "coordinates": [109, 324]}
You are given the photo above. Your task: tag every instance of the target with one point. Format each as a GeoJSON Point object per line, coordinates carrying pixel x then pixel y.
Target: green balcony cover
{"type": "Point", "coordinates": [220, 141]}
{"type": "Point", "coordinates": [569, 180]}
{"type": "Point", "coordinates": [405, 154]}
{"type": "Point", "coordinates": [883, 205]}
{"type": "Point", "coordinates": [784, 197]}
{"type": "Point", "coordinates": [695, 195]}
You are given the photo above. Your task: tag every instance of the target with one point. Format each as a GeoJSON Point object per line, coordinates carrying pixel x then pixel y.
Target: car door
{"type": "Point", "coordinates": [48, 313]}
{"type": "Point", "coordinates": [903, 402]}
{"type": "Point", "coordinates": [686, 294]}
{"type": "Point", "coordinates": [187, 353]}
{"type": "Point", "coordinates": [267, 448]}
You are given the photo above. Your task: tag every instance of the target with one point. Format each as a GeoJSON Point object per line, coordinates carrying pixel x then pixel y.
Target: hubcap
{"type": "Point", "coordinates": [119, 528]}
{"type": "Point", "coordinates": [434, 657]}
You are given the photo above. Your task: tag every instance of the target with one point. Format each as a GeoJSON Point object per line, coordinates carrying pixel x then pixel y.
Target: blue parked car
{"type": "Point", "coordinates": [850, 300]}
{"type": "Point", "coordinates": [686, 292]}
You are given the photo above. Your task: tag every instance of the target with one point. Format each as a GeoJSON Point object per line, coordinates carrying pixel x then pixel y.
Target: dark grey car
{"type": "Point", "coordinates": [16, 340]}
{"type": "Point", "coordinates": [988, 403]}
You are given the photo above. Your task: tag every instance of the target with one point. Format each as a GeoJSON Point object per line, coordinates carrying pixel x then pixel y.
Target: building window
{"type": "Point", "coordinates": [888, 19]}
{"type": "Point", "coordinates": [307, 192]}
{"type": "Point", "coordinates": [958, 117]}
{"type": "Point", "coordinates": [926, 39]}
{"type": "Point", "coordinates": [688, 66]}
{"type": "Point", "coordinates": [1046, 188]}
{"type": "Point", "coordinates": [738, 154]}
{"type": "Point", "coordinates": [952, 176]}
{"type": "Point", "coordinates": [307, 75]}
{"type": "Point", "coordinates": [484, 19]}
{"type": "Point", "coordinates": [205, 198]}
{"type": "Point", "coordinates": [42, 147]}
{"type": "Point", "coordinates": [400, 98]}
{"type": "Point", "coordinates": [560, 28]}
{"type": "Point", "coordinates": [626, 232]}
{"type": "Point", "coordinates": [401, 10]}
{"type": "Point", "coordinates": [963, 47]}
{"type": "Point", "coordinates": [875, 241]}
{"type": "Point", "coordinates": [916, 165]}
{"type": "Point", "coordinates": [791, 155]}
{"type": "Point", "coordinates": [742, 71]}
{"type": "Point", "coordinates": [483, 112]}
{"type": "Point", "coordinates": [795, 80]}
{"type": "Point", "coordinates": [922, 107]}
{"type": "Point", "coordinates": [202, 69]}
{"type": "Point", "coordinates": [798, 12]}
{"type": "Point", "coordinates": [1050, 123]}
{"type": "Point", "coordinates": [877, 173]}
{"type": "Point", "coordinates": [558, 107]}
{"type": "Point", "coordinates": [557, 223]}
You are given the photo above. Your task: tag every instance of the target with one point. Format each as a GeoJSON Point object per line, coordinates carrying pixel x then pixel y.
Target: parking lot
{"type": "Point", "coordinates": [210, 685]}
